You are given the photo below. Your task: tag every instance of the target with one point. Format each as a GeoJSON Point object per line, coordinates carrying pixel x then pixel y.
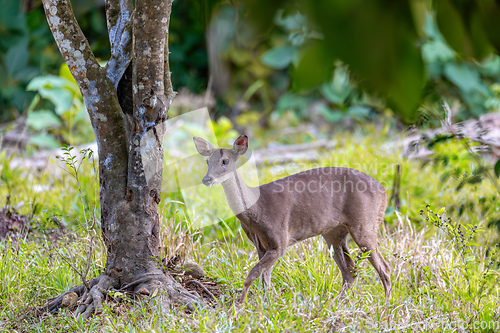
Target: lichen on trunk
{"type": "Point", "coordinates": [127, 101]}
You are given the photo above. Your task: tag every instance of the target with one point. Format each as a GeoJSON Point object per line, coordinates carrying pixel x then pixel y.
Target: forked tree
{"type": "Point", "coordinates": [127, 101]}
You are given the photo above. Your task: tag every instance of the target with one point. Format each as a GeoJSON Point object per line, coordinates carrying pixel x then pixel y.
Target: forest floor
{"type": "Point", "coordinates": [440, 240]}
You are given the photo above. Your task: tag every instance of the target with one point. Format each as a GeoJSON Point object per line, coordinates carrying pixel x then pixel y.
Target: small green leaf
{"type": "Point", "coordinates": [61, 98]}
{"type": "Point", "coordinates": [390, 210]}
{"type": "Point", "coordinates": [279, 58]}
{"type": "Point", "coordinates": [339, 88]}
{"type": "Point", "coordinates": [290, 22]}
{"type": "Point", "coordinates": [46, 82]}
{"type": "Point", "coordinates": [332, 116]}
{"type": "Point", "coordinates": [436, 51]}
{"type": "Point", "coordinates": [466, 78]}
{"type": "Point", "coordinates": [42, 119]}
{"type": "Point", "coordinates": [359, 112]}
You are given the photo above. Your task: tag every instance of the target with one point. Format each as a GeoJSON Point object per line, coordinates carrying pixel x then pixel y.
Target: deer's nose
{"type": "Point", "coordinates": [207, 180]}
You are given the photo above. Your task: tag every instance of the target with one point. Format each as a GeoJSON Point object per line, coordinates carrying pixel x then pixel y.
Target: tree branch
{"type": "Point", "coordinates": [72, 43]}
{"type": "Point", "coordinates": [99, 94]}
{"type": "Point", "coordinates": [88, 74]}
{"type": "Point", "coordinates": [150, 25]}
{"type": "Point", "coordinates": [150, 105]}
{"type": "Point", "coordinates": [119, 20]}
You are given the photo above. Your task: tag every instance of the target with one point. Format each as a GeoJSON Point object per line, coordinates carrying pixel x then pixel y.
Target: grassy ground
{"type": "Point", "coordinates": [445, 273]}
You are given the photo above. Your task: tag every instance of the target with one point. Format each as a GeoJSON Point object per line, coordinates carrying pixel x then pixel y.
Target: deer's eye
{"type": "Point", "coordinates": [225, 161]}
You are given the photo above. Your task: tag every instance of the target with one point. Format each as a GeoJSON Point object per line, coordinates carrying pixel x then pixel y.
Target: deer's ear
{"type": "Point", "coordinates": [203, 146]}
{"type": "Point", "coordinates": [240, 146]}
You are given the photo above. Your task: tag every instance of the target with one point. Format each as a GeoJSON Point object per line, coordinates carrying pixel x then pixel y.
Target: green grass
{"type": "Point", "coordinates": [444, 278]}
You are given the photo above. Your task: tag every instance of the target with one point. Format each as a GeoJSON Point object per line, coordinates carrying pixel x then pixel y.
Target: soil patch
{"type": "Point", "coordinates": [13, 224]}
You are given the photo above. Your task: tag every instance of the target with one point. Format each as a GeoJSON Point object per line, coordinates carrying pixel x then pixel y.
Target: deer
{"type": "Point", "coordinates": [332, 202]}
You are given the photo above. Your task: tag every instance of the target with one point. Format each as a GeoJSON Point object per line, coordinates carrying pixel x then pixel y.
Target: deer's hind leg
{"type": "Point", "coordinates": [336, 239]}
{"type": "Point", "coordinates": [365, 235]}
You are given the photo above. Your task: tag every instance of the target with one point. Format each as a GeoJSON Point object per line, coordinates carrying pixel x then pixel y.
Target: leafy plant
{"type": "Point", "coordinates": [27, 49]}
{"type": "Point", "coordinates": [466, 169]}
{"type": "Point", "coordinates": [450, 77]}
{"type": "Point", "coordinates": [430, 282]}
{"type": "Point", "coordinates": [90, 222]}
{"type": "Point", "coordinates": [57, 113]}
{"type": "Point", "coordinates": [474, 269]}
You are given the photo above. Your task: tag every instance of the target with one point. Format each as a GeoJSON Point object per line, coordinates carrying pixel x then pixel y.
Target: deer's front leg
{"type": "Point", "coordinates": [264, 265]}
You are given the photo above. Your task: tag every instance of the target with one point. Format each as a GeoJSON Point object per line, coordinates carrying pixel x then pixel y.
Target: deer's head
{"type": "Point", "coordinates": [221, 162]}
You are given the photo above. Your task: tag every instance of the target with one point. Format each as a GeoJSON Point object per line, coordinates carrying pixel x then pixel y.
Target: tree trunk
{"type": "Point", "coordinates": [127, 101]}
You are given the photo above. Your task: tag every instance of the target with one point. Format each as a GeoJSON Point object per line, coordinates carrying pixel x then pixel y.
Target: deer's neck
{"type": "Point", "coordinates": [239, 196]}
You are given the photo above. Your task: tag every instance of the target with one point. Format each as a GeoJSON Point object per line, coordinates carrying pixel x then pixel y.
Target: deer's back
{"type": "Point", "coordinates": [312, 202]}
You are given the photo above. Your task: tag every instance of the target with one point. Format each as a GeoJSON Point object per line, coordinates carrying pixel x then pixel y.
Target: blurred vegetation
{"type": "Point", "coordinates": [57, 113]}
{"type": "Point", "coordinates": [330, 62]}
{"type": "Point", "coordinates": [27, 48]}
{"type": "Point", "coordinates": [382, 42]}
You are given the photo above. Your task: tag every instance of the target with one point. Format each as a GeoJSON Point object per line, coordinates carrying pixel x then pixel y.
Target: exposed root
{"type": "Point", "coordinates": [202, 287]}
{"type": "Point", "coordinates": [92, 302]}
{"type": "Point", "coordinates": [153, 285]}
{"type": "Point", "coordinates": [55, 303]}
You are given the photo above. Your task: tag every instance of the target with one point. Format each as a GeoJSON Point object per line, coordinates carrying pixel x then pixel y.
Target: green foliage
{"type": "Point", "coordinates": [424, 71]}
{"type": "Point", "coordinates": [26, 50]}
{"type": "Point", "coordinates": [368, 30]}
{"type": "Point", "coordinates": [332, 91]}
{"type": "Point", "coordinates": [188, 54]}
{"type": "Point", "coordinates": [362, 36]}
{"type": "Point", "coordinates": [57, 113]}
{"type": "Point", "coordinates": [74, 165]}
{"type": "Point", "coordinates": [461, 168]}
{"type": "Point", "coordinates": [469, 26]}
{"type": "Point", "coordinates": [295, 50]}
{"type": "Point", "coordinates": [497, 169]}
{"type": "Point", "coordinates": [278, 58]}
{"type": "Point", "coordinates": [476, 264]}
{"type": "Point", "coordinates": [47, 197]}
{"type": "Point", "coordinates": [331, 86]}
{"type": "Point", "coordinates": [8, 176]}
{"type": "Point", "coordinates": [452, 78]}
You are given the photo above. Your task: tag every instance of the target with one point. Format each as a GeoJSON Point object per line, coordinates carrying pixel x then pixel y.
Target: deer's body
{"type": "Point", "coordinates": [332, 202]}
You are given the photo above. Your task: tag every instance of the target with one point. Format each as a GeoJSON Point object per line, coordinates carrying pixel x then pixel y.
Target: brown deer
{"type": "Point", "coordinates": [331, 202]}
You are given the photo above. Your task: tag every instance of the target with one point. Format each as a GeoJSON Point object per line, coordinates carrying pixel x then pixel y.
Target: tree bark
{"type": "Point", "coordinates": [127, 101]}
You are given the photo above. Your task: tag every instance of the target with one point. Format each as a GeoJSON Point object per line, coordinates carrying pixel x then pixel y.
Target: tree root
{"type": "Point", "coordinates": [91, 301]}
{"type": "Point", "coordinates": [55, 303]}
{"type": "Point", "coordinates": [205, 289]}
